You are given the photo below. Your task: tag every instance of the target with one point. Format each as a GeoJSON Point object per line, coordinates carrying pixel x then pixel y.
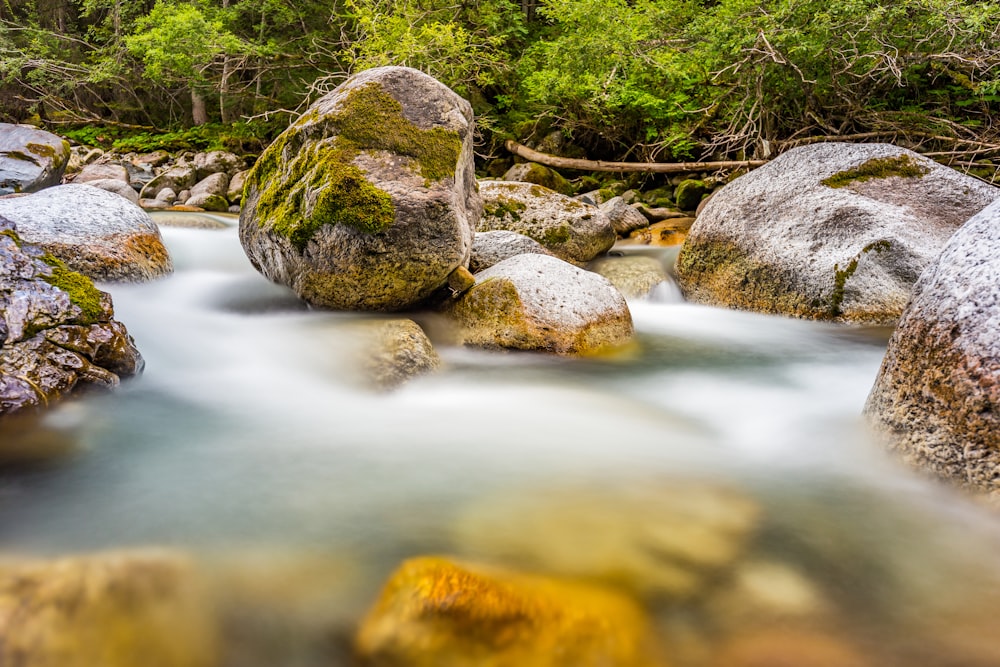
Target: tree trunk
{"type": "Point", "coordinates": [224, 110]}
{"type": "Point", "coordinates": [645, 167]}
{"type": "Point", "coordinates": [198, 113]}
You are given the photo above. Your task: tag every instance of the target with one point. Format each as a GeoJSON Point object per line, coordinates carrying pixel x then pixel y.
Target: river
{"type": "Point", "coordinates": [250, 436]}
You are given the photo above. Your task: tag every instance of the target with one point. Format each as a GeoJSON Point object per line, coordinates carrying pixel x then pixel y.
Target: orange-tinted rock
{"type": "Point", "coordinates": [437, 613]}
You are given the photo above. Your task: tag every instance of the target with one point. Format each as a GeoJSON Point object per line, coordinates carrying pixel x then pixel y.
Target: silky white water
{"type": "Point", "coordinates": [250, 430]}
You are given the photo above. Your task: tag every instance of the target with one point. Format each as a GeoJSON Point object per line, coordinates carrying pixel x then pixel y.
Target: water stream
{"type": "Point", "coordinates": [250, 433]}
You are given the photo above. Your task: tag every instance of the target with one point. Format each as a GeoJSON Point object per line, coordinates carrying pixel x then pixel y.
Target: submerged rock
{"type": "Point", "coordinates": [392, 352]}
{"type": "Point", "coordinates": [113, 610]}
{"type": "Point", "coordinates": [937, 395]}
{"type": "Point", "coordinates": [98, 233]}
{"type": "Point", "coordinates": [489, 248]}
{"type": "Point", "coordinates": [828, 231]}
{"type": "Point", "coordinates": [435, 612]}
{"type": "Point", "coordinates": [369, 200]}
{"type": "Point", "coordinates": [635, 276]}
{"type": "Point", "coordinates": [664, 541]}
{"type": "Point", "coordinates": [57, 331]}
{"type": "Point", "coordinates": [537, 302]}
{"type": "Point", "coordinates": [572, 230]}
{"type": "Point", "coordinates": [30, 159]}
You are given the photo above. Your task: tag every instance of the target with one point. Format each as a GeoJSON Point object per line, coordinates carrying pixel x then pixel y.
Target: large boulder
{"type": "Point", "coordinates": [30, 159]}
{"type": "Point", "coordinates": [572, 230]}
{"type": "Point", "coordinates": [829, 231]}
{"type": "Point", "coordinates": [937, 396]}
{"type": "Point", "coordinates": [369, 200]}
{"type": "Point", "coordinates": [98, 233]}
{"type": "Point", "coordinates": [56, 331]}
{"type": "Point", "coordinates": [116, 609]}
{"type": "Point", "coordinates": [434, 612]}
{"type": "Point", "coordinates": [537, 302]}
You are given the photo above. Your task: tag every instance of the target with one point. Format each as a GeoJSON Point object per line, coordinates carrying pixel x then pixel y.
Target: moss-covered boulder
{"type": "Point", "coordinates": [489, 248]}
{"type": "Point", "coordinates": [539, 174]}
{"type": "Point", "coordinates": [830, 231]}
{"type": "Point", "coordinates": [537, 302]}
{"type": "Point", "coordinates": [30, 159]}
{"type": "Point", "coordinates": [369, 200]}
{"type": "Point", "coordinates": [118, 609]}
{"type": "Point", "coordinates": [434, 612]}
{"type": "Point", "coordinates": [98, 233]}
{"type": "Point", "coordinates": [664, 540]}
{"type": "Point", "coordinates": [56, 329]}
{"type": "Point", "coordinates": [572, 230]}
{"type": "Point", "coordinates": [689, 193]}
{"type": "Point", "coordinates": [937, 396]}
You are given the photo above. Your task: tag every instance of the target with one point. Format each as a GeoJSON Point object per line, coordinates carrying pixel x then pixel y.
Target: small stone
{"type": "Point", "coordinates": [101, 172]}
{"type": "Point", "coordinates": [208, 202]}
{"type": "Point", "coordinates": [116, 186]}
{"type": "Point", "coordinates": [570, 229]}
{"type": "Point", "coordinates": [461, 280]}
{"type": "Point", "coordinates": [624, 218]}
{"type": "Point", "coordinates": [689, 193]}
{"type": "Point", "coordinates": [532, 172]}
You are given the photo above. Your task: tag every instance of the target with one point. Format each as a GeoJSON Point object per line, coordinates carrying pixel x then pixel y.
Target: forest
{"type": "Point", "coordinates": [639, 80]}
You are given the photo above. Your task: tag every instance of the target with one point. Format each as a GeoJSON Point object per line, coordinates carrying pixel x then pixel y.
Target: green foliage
{"type": "Point", "coordinates": [236, 137]}
{"type": "Point", "coordinates": [179, 42]}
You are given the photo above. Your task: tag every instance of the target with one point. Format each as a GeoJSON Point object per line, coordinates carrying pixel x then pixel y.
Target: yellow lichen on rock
{"type": "Point", "coordinates": [125, 609]}
{"type": "Point", "coordinates": [440, 613]}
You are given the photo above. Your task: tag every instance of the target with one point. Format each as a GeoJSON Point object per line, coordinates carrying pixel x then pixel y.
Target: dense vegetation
{"type": "Point", "coordinates": [632, 79]}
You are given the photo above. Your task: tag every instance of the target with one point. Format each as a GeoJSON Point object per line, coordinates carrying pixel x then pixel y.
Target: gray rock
{"type": "Point", "coordinates": [572, 230]}
{"type": "Point", "coordinates": [166, 195]}
{"type": "Point", "coordinates": [56, 331]}
{"type": "Point", "coordinates": [214, 162]}
{"type": "Point", "coordinates": [537, 302]}
{"type": "Point", "coordinates": [176, 178]}
{"type": "Point", "coordinates": [119, 187]}
{"type": "Point", "coordinates": [182, 197]}
{"type": "Point", "coordinates": [102, 172]}
{"type": "Point", "coordinates": [213, 184]}
{"type": "Point", "coordinates": [235, 191]}
{"type": "Point", "coordinates": [689, 193]}
{"type": "Point", "coordinates": [937, 395]}
{"type": "Point", "coordinates": [635, 276]}
{"type": "Point", "coordinates": [98, 233]}
{"type": "Point", "coordinates": [149, 160]}
{"type": "Point", "coordinates": [829, 231]}
{"type": "Point", "coordinates": [489, 248]}
{"type": "Point", "coordinates": [208, 201]}
{"type": "Point", "coordinates": [624, 218]}
{"type": "Point", "coordinates": [154, 204]}
{"type": "Point", "coordinates": [369, 200]}
{"type": "Point", "coordinates": [532, 172]}
{"type": "Point", "coordinates": [30, 159]}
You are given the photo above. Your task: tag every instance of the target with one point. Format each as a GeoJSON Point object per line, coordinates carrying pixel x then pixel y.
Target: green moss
{"type": "Point", "coordinates": [44, 150]}
{"type": "Point", "coordinates": [371, 119]}
{"type": "Point", "coordinates": [901, 165]}
{"type": "Point", "coordinates": [319, 186]}
{"type": "Point", "coordinates": [504, 207]}
{"type": "Point", "coordinates": [555, 236]}
{"type": "Point", "coordinates": [840, 276]}
{"type": "Point", "coordinates": [79, 287]}
{"type": "Point", "coordinates": [10, 233]}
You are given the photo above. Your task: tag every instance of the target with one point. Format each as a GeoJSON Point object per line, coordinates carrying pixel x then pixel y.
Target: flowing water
{"type": "Point", "coordinates": [250, 438]}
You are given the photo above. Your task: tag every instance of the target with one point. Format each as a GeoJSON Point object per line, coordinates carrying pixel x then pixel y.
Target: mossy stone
{"type": "Point", "coordinates": [79, 287]}
{"type": "Point", "coordinates": [902, 166]}
{"type": "Point", "coordinates": [689, 193]}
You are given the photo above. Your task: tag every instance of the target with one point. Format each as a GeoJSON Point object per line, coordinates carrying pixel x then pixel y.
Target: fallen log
{"type": "Point", "coordinates": [647, 167]}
